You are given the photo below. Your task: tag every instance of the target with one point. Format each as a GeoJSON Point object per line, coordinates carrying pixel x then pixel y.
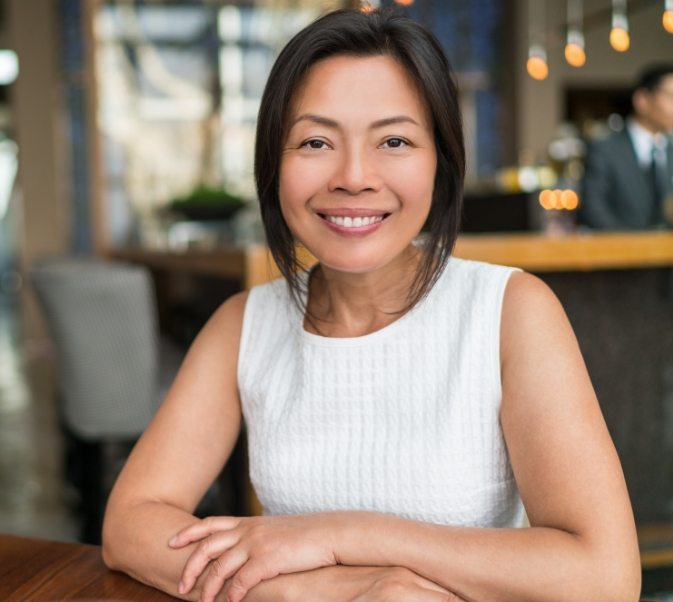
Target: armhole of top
{"type": "Point", "coordinates": [499, 303]}
{"type": "Point", "coordinates": [246, 326]}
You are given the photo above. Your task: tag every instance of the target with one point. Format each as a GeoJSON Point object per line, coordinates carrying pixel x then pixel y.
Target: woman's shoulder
{"type": "Point", "coordinates": [532, 312]}
{"type": "Point", "coordinates": [526, 292]}
{"type": "Point", "coordinates": [476, 279]}
{"type": "Point", "coordinates": [232, 312]}
{"type": "Point", "coordinates": [224, 326]}
{"type": "Point", "coordinates": [270, 297]}
{"type": "Point", "coordinates": [473, 267]}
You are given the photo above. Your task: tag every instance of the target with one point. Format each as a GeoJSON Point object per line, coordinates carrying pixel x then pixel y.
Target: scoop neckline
{"type": "Point", "coordinates": [362, 339]}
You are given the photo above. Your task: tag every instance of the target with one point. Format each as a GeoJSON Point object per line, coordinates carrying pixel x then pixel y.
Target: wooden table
{"type": "Point", "coordinates": [36, 570]}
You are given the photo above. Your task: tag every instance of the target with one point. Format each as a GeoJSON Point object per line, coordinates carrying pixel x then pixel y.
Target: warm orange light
{"type": "Point", "coordinates": [558, 199]}
{"type": "Point", "coordinates": [575, 55]}
{"type": "Point", "coordinates": [404, 2]}
{"type": "Point", "coordinates": [620, 39]}
{"type": "Point", "coordinates": [569, 200]}
{"type": "Point", "coordinates": [366, 8]}
{"type": "Point", "coordinates": [546, 200]}
{"type": "Point", "coordinates": [667, 20]}
{"type": "Point", "coordinates": [537, 68]}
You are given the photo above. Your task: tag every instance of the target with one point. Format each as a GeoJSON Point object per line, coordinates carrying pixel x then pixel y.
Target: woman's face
{"type": "Point", "coordinates": [358, 166]}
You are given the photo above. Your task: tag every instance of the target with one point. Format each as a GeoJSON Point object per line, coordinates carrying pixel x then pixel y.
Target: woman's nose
{"type": "Point", "coordinates": [355, 172]}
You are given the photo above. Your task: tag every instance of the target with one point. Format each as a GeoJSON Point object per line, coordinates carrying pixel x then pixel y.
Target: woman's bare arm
{"type": "Point", "coordinates": [178, 457]}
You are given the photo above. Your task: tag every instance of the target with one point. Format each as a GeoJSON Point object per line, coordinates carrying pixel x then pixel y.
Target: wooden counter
{"type": "Point", "coordinates": [532, 252]}
{"type": "Point", "coordinates": [574, 252]}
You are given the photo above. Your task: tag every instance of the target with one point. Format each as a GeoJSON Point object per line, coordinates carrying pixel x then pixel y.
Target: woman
{"type": "Point", "coordinates": [400, 404]}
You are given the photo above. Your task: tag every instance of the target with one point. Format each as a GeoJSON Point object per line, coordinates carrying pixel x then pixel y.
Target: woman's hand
{"type": "Point", "coordinates": [350, 584]}
{"type": "Point", "coordinates": [403, 585]}
{"type": "Point", "coordinates": [241, 552]}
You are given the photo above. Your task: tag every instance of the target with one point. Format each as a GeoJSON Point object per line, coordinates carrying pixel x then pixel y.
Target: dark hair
{"type": "Point", "coordinates": [361, 34]}
{"type": "Point", "coordinates": [650, 78]}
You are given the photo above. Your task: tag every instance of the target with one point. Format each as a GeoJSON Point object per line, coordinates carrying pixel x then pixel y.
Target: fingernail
{"type": "Point", "coordinates": [173, 540]}
{"type": "Point", "coordinates": [181, 588]}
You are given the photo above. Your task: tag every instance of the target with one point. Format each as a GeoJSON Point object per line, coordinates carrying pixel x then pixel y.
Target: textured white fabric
{"type": "Point", "coordinates": [403, 421]}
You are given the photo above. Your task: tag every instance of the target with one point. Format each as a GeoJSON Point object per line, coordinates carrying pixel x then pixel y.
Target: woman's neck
{"type": "Point", "coordinates": [343, 304]}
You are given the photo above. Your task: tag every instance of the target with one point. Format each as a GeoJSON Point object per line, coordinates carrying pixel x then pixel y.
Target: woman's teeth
{"type": "Point", "coordinates": [353, 222]}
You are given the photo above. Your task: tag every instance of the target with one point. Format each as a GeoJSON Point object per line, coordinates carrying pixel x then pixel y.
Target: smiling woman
{"type": "Point", "coordinates": [399, 418]}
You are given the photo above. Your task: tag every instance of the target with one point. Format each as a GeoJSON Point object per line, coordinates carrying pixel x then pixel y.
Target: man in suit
{"type": "Point", "coordinates": [629, 174]}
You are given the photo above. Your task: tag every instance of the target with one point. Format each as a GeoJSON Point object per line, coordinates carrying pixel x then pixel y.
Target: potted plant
{"type": "Point", "coordinates": [207, 204]}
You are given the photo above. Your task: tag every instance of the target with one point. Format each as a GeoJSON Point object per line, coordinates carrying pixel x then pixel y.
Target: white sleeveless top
{"type": "Point", "coordinates": [404, 420]}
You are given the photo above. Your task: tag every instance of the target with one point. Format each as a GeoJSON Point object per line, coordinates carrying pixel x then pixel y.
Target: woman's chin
{"type": "Point", "coordinates": [364, 264]}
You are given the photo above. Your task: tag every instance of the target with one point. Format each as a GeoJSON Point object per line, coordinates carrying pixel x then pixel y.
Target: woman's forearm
{"type": "Point", "coordinates": [135, 541]}
{"type": "Point", "coordinates": [518, 565]}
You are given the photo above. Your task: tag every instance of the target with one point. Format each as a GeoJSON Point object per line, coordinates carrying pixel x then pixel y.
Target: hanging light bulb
{"type": "Point", "coordinates": [574, 49]}
{"type": "Point", "coordinates": [367, 6]}
{"type": "Point", "coordinates": [404, 2]}
{"type": "Point", "coordinates": [667, 18]}
{"type": "Point", "coordinates": [619, 34]}
{"type": "Point", "coordinates": [536, 66]}
{"type": "Point", "coordinates": [537, 63]}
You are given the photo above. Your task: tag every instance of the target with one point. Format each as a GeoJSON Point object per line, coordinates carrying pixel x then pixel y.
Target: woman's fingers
{"type": "Point", "coordinates": [219, 572]}
{"type": "Point", "coordinates": [202, 529]}
{"type": "Point", "coordinates": [251, 574]}
{"type": "Point", "coordinates": [213, 549]}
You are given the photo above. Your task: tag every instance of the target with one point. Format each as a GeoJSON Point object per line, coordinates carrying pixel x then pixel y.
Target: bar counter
{"type": "Point", "coordinates": [532, 252]}
{"type": "Point", "coordinates": [573, 252]}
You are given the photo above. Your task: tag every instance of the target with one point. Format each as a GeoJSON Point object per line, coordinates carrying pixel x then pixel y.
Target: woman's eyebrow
{"type": "Point", "coordinates": [315, 119]}
{"type": "Point", "coordinates": [394, 120]}
{"type": "Point", "coordinates": [326, 121]}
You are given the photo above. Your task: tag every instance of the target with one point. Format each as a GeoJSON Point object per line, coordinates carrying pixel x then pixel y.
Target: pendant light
{"type": "Point", "coordinates": [667, 18]}
{"type": "Point", "coordinates": [536, 65]}
{"type": "Point", "coordinates": [574, 50]}
{"type": "Point", "coordinates": [619, 34]}
{"type": "Point", "coordinates": [368, 6]}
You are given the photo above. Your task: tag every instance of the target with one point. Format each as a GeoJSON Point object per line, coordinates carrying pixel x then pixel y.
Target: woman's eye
{"type": "Point", "coordinates": [315, 144]}
{"type": "Point", "coordinates": [395, 143]}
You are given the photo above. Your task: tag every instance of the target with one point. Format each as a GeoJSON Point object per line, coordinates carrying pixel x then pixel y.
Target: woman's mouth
{"type": "Point", "coordinates": [347, 221]}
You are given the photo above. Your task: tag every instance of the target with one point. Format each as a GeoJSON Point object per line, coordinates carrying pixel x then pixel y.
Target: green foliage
{"type": "Point", "coordinates": [206, 203]}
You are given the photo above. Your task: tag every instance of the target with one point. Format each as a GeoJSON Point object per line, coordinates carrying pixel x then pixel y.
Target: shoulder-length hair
{"type": "Point", "coordinates": [361, 34]}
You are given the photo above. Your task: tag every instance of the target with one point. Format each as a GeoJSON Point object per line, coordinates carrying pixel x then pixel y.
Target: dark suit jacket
{"type": "Point", "coordinates": [616, 193]}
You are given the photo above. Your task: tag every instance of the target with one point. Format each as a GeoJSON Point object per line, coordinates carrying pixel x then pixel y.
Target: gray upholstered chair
{"type": "Point", "coordinates": [113, 371]}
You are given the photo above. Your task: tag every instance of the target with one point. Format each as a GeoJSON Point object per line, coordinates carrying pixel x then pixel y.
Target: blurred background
{"type": "Point", "coordinates": [126, 135]}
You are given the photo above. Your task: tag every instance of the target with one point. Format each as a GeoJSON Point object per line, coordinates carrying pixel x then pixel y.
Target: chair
{"type": "Point", "coordinates": [113, 371]}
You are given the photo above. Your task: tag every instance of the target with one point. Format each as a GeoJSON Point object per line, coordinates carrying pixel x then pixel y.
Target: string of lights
{"type": "Point", "coordinates": [575, 49]}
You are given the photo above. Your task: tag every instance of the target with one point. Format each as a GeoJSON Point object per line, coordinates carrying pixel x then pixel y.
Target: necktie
{"type": "Point", "coordinates": [656, 186]}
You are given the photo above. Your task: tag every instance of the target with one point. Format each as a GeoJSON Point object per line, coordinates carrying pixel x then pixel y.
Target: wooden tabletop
{"type": "Point", "coordinates": [36, 570]}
